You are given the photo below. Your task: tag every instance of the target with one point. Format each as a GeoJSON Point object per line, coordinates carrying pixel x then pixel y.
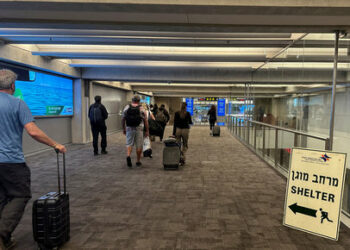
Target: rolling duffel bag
{"type": "Point", "coordinates": [51, 221]}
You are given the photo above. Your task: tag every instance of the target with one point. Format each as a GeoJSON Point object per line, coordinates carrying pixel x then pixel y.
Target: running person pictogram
{"type": "Point", "coordinates": [324, 215]}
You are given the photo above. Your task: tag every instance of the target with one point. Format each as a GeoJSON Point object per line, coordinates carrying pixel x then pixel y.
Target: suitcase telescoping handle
{"type": "Point", "coordinates": [64, 172]}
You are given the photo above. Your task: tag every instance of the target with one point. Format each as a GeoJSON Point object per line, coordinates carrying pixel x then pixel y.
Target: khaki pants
{"type": "Point", "coordinates": [182, 135]}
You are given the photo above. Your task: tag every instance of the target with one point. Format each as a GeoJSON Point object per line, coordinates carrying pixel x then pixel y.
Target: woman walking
{"type": "Point", "coordinates": [182, 122]}
{"type": "Point", "coordinates": [212, 116]}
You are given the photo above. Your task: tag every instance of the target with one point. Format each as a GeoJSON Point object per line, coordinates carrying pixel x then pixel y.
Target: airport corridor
{"type": "Point", "coordinates": [225, 197]}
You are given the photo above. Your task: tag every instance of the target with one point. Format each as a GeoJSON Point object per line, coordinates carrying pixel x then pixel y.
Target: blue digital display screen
{"type": "Point", "coordinates": [189, 103]}
{"type": "Point", "coordinates": [46, 95]}
{"type": "Point", "coordinates": [221, 107]}
{"type": "Point", "coordinates": [146, 99]}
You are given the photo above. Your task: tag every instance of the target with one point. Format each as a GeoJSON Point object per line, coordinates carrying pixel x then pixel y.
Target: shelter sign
{"type": "Point", "coordinates": [315, 191]}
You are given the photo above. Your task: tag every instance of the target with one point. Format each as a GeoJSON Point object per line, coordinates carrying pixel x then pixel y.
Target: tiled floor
{"type": "Point", "coordinates": [224, 198]}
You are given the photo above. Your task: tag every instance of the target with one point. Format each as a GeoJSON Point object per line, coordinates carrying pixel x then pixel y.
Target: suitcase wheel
{"type": "Point", "coordinates": [43, 247]}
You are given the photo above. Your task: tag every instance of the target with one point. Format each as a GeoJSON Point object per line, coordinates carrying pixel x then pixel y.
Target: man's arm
{"type": "Point", "coordinates": [166, 113]}
{"type": "Point", "coordinates": [190, 120]}
{"type": "Point", "coordinates": [146, 125]}
{"type": "Point", "coordinates": [175, 123]}
{"type": "Point", "coordinates": [37, 134]}
{"type": "Point", "coordinates": [123, 125]}
{"type": "Point", "coordinates": [104, 111]}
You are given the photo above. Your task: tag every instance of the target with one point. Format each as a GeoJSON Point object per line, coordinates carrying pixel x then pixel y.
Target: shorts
{"type": "Point", "coordinates": [134, 137]}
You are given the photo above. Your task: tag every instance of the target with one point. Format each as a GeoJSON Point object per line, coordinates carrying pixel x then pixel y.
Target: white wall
{"type": "Point", "coordinates": [114, 100]}
{"type": "Point", "coordinates": [57, 128]}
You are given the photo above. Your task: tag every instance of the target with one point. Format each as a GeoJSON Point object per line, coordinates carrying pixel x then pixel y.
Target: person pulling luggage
{"type": "Point", "coordinates": [212, 116]}
{"type": "Point", "coordinates": [181, 131]}
{"type": "Point", "coordinates": [15, 191]}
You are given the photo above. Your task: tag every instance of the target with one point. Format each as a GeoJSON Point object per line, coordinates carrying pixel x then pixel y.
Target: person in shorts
{"type": "Point", "coordinates": [135, 126]}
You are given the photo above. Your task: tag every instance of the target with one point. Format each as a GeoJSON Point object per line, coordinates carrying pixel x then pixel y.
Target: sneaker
{"type": "Point", "coordinates": [104, 152]}
{"type": "Point", "coordinates": [95, 153]}
{"type": "Point", "coordinates": [128, 161]}
{"type": "Point", "coordinates": [138, 164]}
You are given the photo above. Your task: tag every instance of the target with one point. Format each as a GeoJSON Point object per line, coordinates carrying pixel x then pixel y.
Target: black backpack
{"type": "Point", "coordinates": [95, 114]}
{"type": "Point", "coordinates": [133, 116]}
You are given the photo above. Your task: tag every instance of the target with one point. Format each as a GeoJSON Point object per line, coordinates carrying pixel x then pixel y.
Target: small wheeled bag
{"type": "Point", "coordinates": [216, 130]}
{"type": "Point", "coordinates": [171, 154]}
{"type": "Point", "coordinates": [51, 221]}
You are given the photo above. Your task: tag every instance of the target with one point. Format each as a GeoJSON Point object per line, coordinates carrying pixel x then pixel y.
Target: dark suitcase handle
{"type": "Point", "coordinates": [64, 173]}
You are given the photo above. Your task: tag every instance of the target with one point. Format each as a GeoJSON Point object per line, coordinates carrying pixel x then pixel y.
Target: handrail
{"type": "Point", "coordinates": [289, 130]}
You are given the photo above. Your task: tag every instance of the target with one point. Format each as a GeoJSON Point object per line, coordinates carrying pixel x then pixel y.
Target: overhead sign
{"type": "Point", "coordinates": [207, 99]}
{"type": "Point", "coordinates": [315, 191]}
{"type": "Point", "coordinates": [189, 104]}
{"type": "Point", "coordinates": [221, 107]}
{"type": "Point", "coordinates": [211, 99]}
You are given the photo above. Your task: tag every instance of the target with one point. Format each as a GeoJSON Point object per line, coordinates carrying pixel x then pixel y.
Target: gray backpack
{"type": "Point", "coordinates": [160, 117]}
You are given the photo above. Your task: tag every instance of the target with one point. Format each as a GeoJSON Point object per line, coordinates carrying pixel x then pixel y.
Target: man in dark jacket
{"type": "Point", "coordinates": [97, 115]}
{"type": "Point", "coordinates": [162, 117]}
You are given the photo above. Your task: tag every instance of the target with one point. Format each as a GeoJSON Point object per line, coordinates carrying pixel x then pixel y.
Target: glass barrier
{"type": "Point", "coordinates": [286, 141]}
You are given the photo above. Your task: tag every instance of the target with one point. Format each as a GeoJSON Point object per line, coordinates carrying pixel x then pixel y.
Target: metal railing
{"type": "Point", "coordinates": [273, 143]}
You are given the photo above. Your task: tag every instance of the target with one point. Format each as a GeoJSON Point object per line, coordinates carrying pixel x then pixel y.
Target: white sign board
{"type": "Point", "coordinates": [314, 192]}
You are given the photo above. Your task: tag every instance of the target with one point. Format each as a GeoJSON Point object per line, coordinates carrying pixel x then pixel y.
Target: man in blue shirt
{"type": "Point", "coordinates": [14, 173]}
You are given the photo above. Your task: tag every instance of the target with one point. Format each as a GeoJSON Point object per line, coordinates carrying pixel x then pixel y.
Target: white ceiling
{"type": "Point", "coordinates": [191, 39]}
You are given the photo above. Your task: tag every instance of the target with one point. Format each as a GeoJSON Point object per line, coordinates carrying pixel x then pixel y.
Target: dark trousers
{"type": "Point", "coordinates": [212, 124]}
{"type": "Point", "coordinates": [163, 126]}
{"type": "Point", "coordinates": [14, 194]}
{"type": "Point", "coordinates": [96, 130]}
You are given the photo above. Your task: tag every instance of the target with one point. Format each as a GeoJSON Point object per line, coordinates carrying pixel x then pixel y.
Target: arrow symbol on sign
{"type": "Point", "coordinates": [303, 210]}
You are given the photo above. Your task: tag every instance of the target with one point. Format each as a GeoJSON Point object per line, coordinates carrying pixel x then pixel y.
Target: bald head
{"type": "Point", "coordinates": [7, 78]}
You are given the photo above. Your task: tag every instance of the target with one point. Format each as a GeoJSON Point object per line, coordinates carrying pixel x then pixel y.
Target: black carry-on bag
{"type": "Point", "coordinates": [51, 223]}
{"type": "Point", "coordinates": [216, 130]}
{"type": "Point", "coordinates": [171, 154]}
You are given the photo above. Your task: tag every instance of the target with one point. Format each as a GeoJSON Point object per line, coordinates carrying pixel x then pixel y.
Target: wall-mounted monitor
{"type": "Point", "coordinates": [46, 95]}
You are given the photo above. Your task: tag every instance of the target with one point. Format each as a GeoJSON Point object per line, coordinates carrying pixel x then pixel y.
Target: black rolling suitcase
{"type": "Point", "coordinates": [51, 223]}
{"type": "Point", "coordinates": [171, 154]}
{"type": "Point", "coordinates": [216, 130]}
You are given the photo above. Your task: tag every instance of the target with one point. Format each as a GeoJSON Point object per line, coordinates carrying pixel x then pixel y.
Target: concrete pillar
{"type": "Point", "coordinates": [79, 121]}
{"type": "Point", "coordinates": [129, 96]}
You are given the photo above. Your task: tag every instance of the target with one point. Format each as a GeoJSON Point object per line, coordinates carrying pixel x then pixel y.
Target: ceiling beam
{"type": "Point", "coordinates": [215, 75]}
{"type": "Point", "coordinates": [255, 16]}
{"type": "Point", "coordinates": [185, 57]}
{"type": "Point", "coordinates": [198, 94]}
{"type": "Point", "coordinates": [191, 89]}
{"type": "Point", "coordinates": [19, 56]}
{"type": "Point", "coordinates": [86, 33]}
{"type": "Point", "coordinates": [154, 41]}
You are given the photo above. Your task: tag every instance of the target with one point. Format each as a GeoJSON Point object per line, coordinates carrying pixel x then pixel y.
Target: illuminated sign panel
{"type": "Point", "coordinates": [189, 103]}
{"type": "Point", "coordinates": [221, 107]}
